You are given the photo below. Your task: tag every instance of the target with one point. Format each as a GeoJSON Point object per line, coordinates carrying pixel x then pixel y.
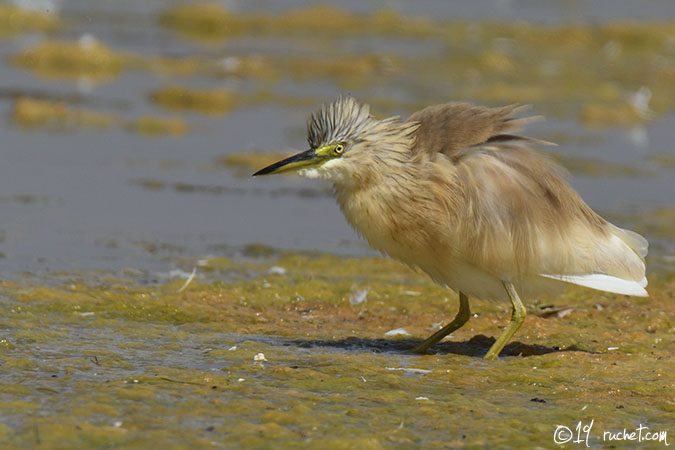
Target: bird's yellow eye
{"type": "Point", "coordinates": [339, 149]}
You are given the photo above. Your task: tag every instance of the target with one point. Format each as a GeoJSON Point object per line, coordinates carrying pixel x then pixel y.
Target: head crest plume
{"type": "Point", "coordinates": [340, 121]}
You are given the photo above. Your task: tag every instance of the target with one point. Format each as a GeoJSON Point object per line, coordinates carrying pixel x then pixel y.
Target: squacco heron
{"type": "Point", "coordinates": [452, 191]}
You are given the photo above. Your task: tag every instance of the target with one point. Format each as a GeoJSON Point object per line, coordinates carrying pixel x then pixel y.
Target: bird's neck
{"type": "Point", "coordinates": [377, 177]}
{"type": "Point", "coordinates": [373, 197]}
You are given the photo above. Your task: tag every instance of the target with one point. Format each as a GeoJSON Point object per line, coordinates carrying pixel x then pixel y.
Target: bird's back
{"type": "Point", "coordinates": [508, 211]}
{"type": "Point", "coordinates": [454, 128]}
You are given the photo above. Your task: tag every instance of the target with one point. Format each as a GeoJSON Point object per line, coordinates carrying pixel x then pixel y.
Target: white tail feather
{"type": "Point", "coordinates": [605, 283]}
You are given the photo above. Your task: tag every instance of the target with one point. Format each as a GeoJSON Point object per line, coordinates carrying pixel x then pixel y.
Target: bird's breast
{"type": "Point", "coordinates": [395, 223]}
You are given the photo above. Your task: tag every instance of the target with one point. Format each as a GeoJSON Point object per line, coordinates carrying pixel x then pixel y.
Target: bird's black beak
{"type": "Point", "coordinates": [301, 160]}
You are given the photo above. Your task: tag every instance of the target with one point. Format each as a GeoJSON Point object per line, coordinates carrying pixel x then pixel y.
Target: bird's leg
{"type": "Point", "coordinates": [460, 319]}
{"type": "Point", "coordinates": [517, 316]}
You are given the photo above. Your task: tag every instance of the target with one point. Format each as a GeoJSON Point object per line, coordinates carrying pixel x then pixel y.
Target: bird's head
{"type": "Point", "coordinates": [345, 140]}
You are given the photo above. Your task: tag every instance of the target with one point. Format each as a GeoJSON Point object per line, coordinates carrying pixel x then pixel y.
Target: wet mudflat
{"type": "Point", "coordinates": [314, 351]}
{"type": "Point", "coordinates": [129, 134]}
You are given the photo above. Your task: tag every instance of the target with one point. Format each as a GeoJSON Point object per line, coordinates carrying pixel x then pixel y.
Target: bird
{"type": "Point", "coordinates": [457, 192]}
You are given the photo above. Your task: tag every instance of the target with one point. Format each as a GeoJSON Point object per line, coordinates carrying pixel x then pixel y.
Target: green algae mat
{"type": "Point", "coordinates": [312, 351]}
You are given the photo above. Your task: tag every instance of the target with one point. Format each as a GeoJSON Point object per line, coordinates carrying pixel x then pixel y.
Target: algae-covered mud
{"type": "Point", "coordinates": [155, 296]}
{"type": "Point", "coordinates": [312, 351]}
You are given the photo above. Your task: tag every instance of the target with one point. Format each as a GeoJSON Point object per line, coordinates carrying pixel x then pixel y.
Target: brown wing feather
{"type": "Point", "coordinates": [452, 128]}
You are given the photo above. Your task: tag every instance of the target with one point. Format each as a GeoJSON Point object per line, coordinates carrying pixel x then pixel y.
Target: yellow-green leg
{"type": "Point", "coordinates": [460, 319]}
{"type": "Point", "coordinates": [517, 316]}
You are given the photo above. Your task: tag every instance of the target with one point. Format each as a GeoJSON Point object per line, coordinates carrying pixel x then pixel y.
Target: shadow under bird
{"type": "Point", "coordinates": [453, 192]}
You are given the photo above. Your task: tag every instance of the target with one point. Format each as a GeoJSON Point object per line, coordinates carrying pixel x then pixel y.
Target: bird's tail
{"type": "Point", "coordinates": [611, 283]}
{"type": "Point", "coordinates": [636, 242]}
{"type": "Point", "coordinates": [605, 283]}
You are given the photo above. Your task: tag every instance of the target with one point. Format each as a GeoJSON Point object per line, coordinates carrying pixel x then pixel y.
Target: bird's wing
{"type": "Point", "coordinates": [512, 211]}
{"type": "Point", "coordinates": [455, 128]}
{"type": "Point", "coordinates": [524, 217]}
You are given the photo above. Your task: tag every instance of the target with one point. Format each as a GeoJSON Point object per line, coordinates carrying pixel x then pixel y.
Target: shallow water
{"type": "Point", "coordinates": [130, 131]}
{"type": "Point", "coordinates": [76, 195]}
